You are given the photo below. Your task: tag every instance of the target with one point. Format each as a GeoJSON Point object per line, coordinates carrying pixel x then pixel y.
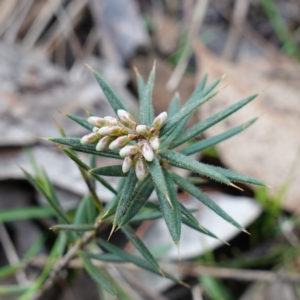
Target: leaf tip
{"type": "Point", "coordinates": [235, 186]}
{"type": "Point", "coordinates": [184, 284]}
{"type": "Point", "coordinates": [112, 231]}
{"type": "Point", "coordinates": [90, 68]}
{"type": "Point", "coordinates": [178, 251]}
{"type": "Point", "coordinates": [246, 231]}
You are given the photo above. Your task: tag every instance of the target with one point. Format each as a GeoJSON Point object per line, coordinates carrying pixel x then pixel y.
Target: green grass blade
{"type": "Point", "coordinates": [140, 262]}
{"type": "Point", "coordinates": [109, 171]}
{"type": "Point", "coordinates": [146, 110]}
{"type": "Point", "coordinates": [185, 162]}
{"type": "Point", "coordinates": [158, 177]}
{"type": "Point", "coordinates": [26, 213]}
{"type": "Point", "coordinates": [98, 274]}
{"type": "Point", "coordinates": [85, 167]}
{"type": "Point", "coordinates": [196, 192]}
{"type": "Point", "coordinates": [74, 144]}
{"type": "Point", "coordinates": [126, 196]}
{"type": "Point", "coordinates": [72, 227]}
{"type": "Point", "coordinates": [201, 145]}
{"type": "Point", "coordinates": [59, 212]}
{"type": "Point", "coordinates": [140, 246]}
{"type": "Point", "coordinates": [6, 290]}
{"type": "Point", "coordinates": [141, 195]}
{"type": "Point", "coordinates": [238, 177]}
{"type": "Point", "coordinates": [210, 121]}
{"type": "Point", "coordinates": [186, 110]}
{"type": "Point", "coordinates": [81, 121]}
{"type": "Point", "coordinates": [111, 96]}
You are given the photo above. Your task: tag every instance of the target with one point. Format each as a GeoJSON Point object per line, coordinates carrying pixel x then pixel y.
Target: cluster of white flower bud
{"type": "Point", "coordinates": [114, 134]}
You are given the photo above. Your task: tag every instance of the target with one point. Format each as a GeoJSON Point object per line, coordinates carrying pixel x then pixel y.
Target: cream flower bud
{"type": "Point", "coordinates": [99, 122]}
{"type": "Point", "coordinates": [143, 130]}
{"type": "Point", "coordinates": [126, 118]}
{"type": "Point", "coordinates": [108, 118]}
{"type": "Point", "coordinates": [154, 142]}
{"type": "Point", "coordinates": [114, 131]}
{"type": "Point", "coordinates": [112, 122]}
{"type": "Point", "coordinates": [89, 138]}
{"type": "Point", "coordinates": [127, 164]}
{"type": "Point", "coordinates": [103, 143]}
{"type": "Point", "coordinates": [140, 169]}
{"type": "Point", "coordinates": [119, 142]}
{"type": "Point", "coordinates": [95, 129]}
{"type": "Point", "coordinates": [104, 130]}
{"type": "Point", "coordinates": [160, 120]}
{"type": "Point", "coordinates": [147, 152]}
{"type": "Point", "coordinates": [129, 150]}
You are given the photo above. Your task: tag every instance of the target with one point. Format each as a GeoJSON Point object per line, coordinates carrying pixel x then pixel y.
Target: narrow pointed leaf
{"type": "Point", "coordinates": [185, 212]}
{"type": "Point", "coordinates": [185, 111]}
{"type": "Point", "coordinates": [185, 162]}
{"type": "Point", "coordinates": [146, 111]}
{"type": "Point", "coordinates": [81, 121]}
{"type": "Point", "coordinates": [98, 274]}
{"type": "Point", "coordinates": [141, 195]}
{"type": "Point", "coordinates": [111, 207]}
{"type": "Point", "coordinates": [6, 290]}
{"type": "Point", "coordinates": [196, 192]}
{"type": "Point", "coordinates": [10, 270]}
{"type": "Point", "coordinates": [200, 87]}
{"type": "Point", "coordinates": [152, 215]}
{"type": "Point", "coordinates": [126, 196]}
{"type": "Point", "coordinates": [111, 96]}
{"type": "Point", "coordinates": [109, 171]}
{"type": "Point", "coordinates": [26, 213]}
{"type": "Point", "coordinates": [109, 257]}
{"type": "Point", "coordinates": [210, 121]}
{"type": "Point", "coordinates": [158, 176]}
{"type": "Point", "coordinates": [81, 212]}
{"type": "Point", "coordinates": [238, 177]}
{"type": "Point", "coordinates": [174, 105]}
{"type": "Point", "coordinates": [141, 84]}
{"type": "Point", "coordinates": [170, 217]}
{"type": "Point", "coordinates": [140, 246]}
{"type": "Point", "coordinates": [59, 212]}
{"type": "Point", "coordinates": [74, 144]}
{"type": "Point", "coordinates": [142, 263]}
{"type": "Point", "coordinates": [72, 227]}
{"type": "Point", "coordinates": [201, 145]}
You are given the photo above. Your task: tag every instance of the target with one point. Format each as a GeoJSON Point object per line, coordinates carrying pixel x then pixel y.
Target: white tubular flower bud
{"type": "Point", "coordinates": [129, 150]}
{"type": "Point", "coordinates": [119, 142]}
{"type": "Point", "coordinates": [127, 164]}
{"type": "Point", "coordinates": [103, 143]}
{"type": "Point", "coordinates": [104, 130]}
{"type": "Point", "coordinates": [112, 122]}
{"type": "Point", "coordinates": [155, 143]}
{"type": "Point", "coordinates": [108, 118]}
{"type": "Point", "coordinates": [99, 122]}
{"type": "Point", "coordinates": [143, 130]}
{"type": "Point", "coordinates": [140, 169]}
{"type": "Point", "coordinates": [160, 120]}
{"type": "Point", "coordinates": [147, 152]}
{"type": "Point", "coordinates": [89, 138]}
{"type": "Point", "coordinates": [114, 131]}
{"type": "Point", "coordinates": [95, 129]}
{"type": "Point", "coordinates": [126, 118]}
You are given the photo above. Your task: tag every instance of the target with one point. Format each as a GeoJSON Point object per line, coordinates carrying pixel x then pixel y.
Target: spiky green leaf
{"type": "Point", "coordinates": [158, 177]}
{"type": "Point", "coordinates": [201, 145]}
{"type": "Point", "coordinates": [174, 105]}
{"type": "Point", "coordinates": [6, 290]}
{"type": "Point", "coordinates": [198, 194]}
{"type": "Point", "coordinates": [185, 162]}
{"type": "Point", "coordinates": [140, 83]}
{"type": "Point", "coordinates": [126, 196]}
{"type": "Point", "coordinates": [98, 274]}
{"type": "Point", "coordinates": [210, 121]}
{"type": "Point", "coordinates": [111, 96]}
{"type": "Point", "coordinates": [111, 207]}
{"type": "Point", "coordinates": [186, 110]}
{"type": "Point", "coordinates": [109, 171]}
{"type": "Point", "coordinates": [74, 144]}
{"type": "Point", "coordinates": [151, 215]}
{"type": "Point", "coordinates": [140, 246]}
{"type": "Point", "coordinates": [109, 257]}
{"type": "Point", "coordinates": [26, 213]}
{"type": "Point", "coordinates": [185, 212]}
{"type": "Point", "coordinates": [141, 195]}
{"type": "Point", "coordinates": [146, 111]}
{"type": "Point", "coordinates": [81, 121]}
